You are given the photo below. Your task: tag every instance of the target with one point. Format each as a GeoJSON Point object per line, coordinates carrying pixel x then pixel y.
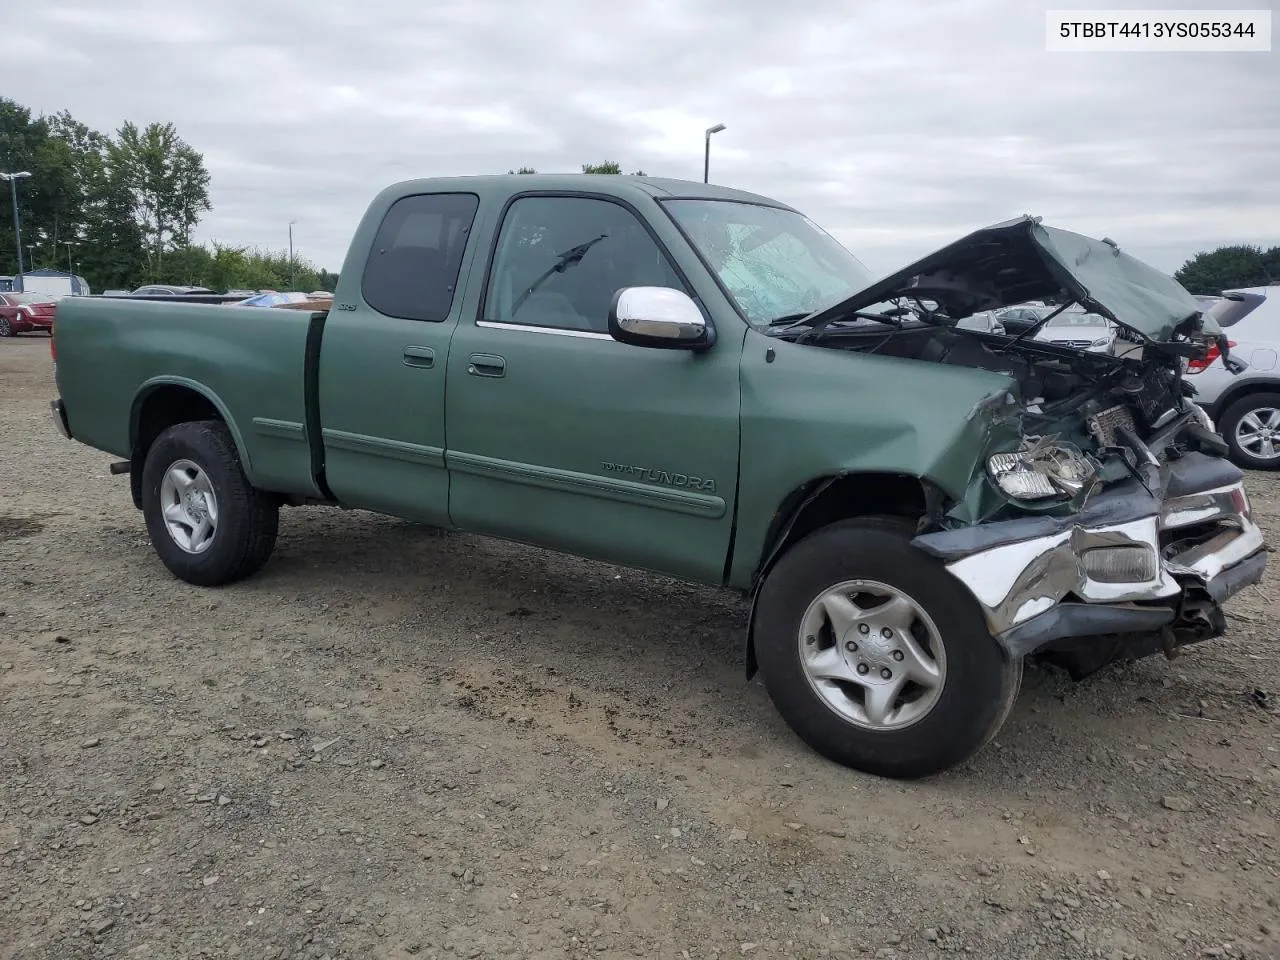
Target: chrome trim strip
{"type": "Point", "coordinates": [1017, 581]}
{"type": "Point", "coordinates": [1224, 551]}
{"type": "Point", "coordinates": [1199, 507]}
{"type": "Point", "coordinates": [586, 484]}
{"type": "Point", "coordinates": [382, 447]}
{"type": "Point", "coordinates": [556, 331]}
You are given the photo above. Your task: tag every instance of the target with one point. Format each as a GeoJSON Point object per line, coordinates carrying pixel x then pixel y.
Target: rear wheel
{"type": "Point", "coordinates": [1251, 427]}
{"type": "Point", "coordinates": [207, 523]}
{"type": "Point", "coordinates": [5, 329]}
{"type": "Point", "coordinates": [876, 656]}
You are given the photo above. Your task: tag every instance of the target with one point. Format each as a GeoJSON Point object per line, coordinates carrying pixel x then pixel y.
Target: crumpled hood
{"type": "Point", "coordinates": [1019, 260]}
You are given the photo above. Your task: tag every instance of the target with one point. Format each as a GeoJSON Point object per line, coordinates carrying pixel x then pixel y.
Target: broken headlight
{"type": "Point", "coordinates": [1043, 470]}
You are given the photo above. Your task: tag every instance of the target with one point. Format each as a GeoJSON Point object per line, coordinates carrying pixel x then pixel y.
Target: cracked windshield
{"type": "Point", "coordinates": [774, 262]}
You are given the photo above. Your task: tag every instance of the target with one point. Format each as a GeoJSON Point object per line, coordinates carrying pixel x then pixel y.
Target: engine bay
{"type": "Point", "coordinates": [1117, 409]}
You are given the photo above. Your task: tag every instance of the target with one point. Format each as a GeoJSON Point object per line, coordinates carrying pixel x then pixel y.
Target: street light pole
{"type": "Point", "coordinates": [69, 270]}
{"type": "Point", "coordinates": [13, 179]}
{"type": "Point", "coordinates": [293, 281]}
{"type": "Point", "coordinates": [706, 153]}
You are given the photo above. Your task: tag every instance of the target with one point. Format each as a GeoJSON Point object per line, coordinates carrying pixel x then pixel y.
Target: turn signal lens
{"type": "Point", "coordinates": [1124, 564]}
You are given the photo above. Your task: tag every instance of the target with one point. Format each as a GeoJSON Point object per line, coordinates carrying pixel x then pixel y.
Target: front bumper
{"type": "Point", "coordinates": [59, 411]}
{"type": "Point", "coordinates": [1174, 559]}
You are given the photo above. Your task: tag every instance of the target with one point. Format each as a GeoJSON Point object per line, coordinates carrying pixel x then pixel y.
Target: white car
{"type": "Point", "coordinates": [1081, 331]}
{"type": "Point", "coordinates": [1245, 405]}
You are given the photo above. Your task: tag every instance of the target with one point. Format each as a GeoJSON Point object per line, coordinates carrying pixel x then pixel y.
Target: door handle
{"type": "Point", "coordinates": [487, 365]}
{"type": "Point", "coordinates": [419, 357]}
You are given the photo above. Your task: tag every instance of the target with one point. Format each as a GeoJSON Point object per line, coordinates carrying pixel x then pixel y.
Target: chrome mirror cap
{"type": "Point", "coordinates": [659, 317]}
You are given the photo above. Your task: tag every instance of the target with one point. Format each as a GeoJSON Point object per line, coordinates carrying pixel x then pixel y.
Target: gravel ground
{"type": "Point", "coordinates": [397, 742]}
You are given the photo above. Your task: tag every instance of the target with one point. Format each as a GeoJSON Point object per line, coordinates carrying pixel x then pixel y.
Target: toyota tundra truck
{"type": "Point", "coordinates": [700, 381]}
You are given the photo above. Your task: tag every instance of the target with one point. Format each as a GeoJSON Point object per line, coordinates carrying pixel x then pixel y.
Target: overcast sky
{"type": "Point", "coordinates": [897, 124]}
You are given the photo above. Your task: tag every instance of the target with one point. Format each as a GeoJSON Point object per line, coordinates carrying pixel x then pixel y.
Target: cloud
{"type": "Point", "coordinates": [897, 126]}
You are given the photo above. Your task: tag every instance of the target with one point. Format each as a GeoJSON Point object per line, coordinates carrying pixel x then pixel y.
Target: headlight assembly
{"type": "Point", "coordinates": [1049, 469]}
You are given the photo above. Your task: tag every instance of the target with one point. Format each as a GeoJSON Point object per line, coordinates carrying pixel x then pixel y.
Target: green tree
{"type": "Point", "coordinates": [1271, 264]}
{"type": "Point", "coordinates": [128, 207]}
{"type": "Point", "coordinates": [1213, 271]}
{"type": "Point", "coordinates": [169, 184]}
{"type": "Point", "coordinates": [108, 243]}
{"type": "Point", "coordinates": [24, 147]}
{"type": "Point", "coordinates": [226, 267]}
{"type": "Point", "coordinates": [609, 166]}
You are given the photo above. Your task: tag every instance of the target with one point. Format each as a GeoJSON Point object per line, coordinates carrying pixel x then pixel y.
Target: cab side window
{"type": "Point", "coordinates": [560, 260]}
{"type": "Point", "coordinates": [412, 270]}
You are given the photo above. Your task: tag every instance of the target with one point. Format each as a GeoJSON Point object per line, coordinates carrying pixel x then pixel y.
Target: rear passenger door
{"type": "Point", "coordinates": [383, 355]}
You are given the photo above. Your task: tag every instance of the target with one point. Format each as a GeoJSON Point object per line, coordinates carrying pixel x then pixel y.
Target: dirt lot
{"type": "Point", "coordinates": [398, 743]}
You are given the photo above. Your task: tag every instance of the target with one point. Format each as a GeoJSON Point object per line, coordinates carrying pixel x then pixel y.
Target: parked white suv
{"type": "Point", "coordinates": [1244, 406]}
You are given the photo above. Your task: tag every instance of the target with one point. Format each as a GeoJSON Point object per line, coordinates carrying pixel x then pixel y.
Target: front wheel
{"type": "Point", "coordinates": [207, 523]}
{"type": "Point", "coordinates": [876, 656]}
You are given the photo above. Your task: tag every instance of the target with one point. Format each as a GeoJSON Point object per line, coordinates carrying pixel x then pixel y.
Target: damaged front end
{"type": "Point", "coordinates": [1103, 521]}
{"type": "Point", "coordinates": [1143, 566]}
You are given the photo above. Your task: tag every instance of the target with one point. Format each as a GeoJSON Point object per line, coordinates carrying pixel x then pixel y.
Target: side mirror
{"type": "Point", "coordinates": [659, 317]}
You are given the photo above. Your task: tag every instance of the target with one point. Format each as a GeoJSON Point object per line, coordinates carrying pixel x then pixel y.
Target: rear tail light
{"type": "Point", "coordinates": [1198, 366]}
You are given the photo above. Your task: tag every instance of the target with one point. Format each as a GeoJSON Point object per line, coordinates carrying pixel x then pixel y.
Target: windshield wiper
{"type": "Point", "coordinates": [787, 319]}
{"type": "Point", "coordinates": [892, 317]}
{"type": "Point", "coordinates": [562, 262]}
{"type": "Point", "coordinates": [795, 320]}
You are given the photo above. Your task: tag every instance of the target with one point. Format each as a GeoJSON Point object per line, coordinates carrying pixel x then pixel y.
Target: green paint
{"type": "Point", "coordinates": [662, 459]}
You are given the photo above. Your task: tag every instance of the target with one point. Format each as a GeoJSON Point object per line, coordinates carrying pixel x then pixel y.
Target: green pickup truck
{"type": "Point", "coordinates": [699, 381]}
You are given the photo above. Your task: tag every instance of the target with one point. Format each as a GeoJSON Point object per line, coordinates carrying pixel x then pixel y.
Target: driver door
{"type": "Point", "coordinates": [557, 434]}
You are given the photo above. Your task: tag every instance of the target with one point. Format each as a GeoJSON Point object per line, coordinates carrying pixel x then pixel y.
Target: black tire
{"type": "Point", "coordinates": [247, 519]}
{"type": "Point", "coordinates": [5, 329]}
{"type": "Point", "coordinates": [1230, 421]}
{"type": "Point", "coordinates": [979, 685]}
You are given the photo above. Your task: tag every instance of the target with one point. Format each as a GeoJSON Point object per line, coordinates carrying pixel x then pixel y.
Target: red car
{"type": "Point", "coordinates": [20, 312]}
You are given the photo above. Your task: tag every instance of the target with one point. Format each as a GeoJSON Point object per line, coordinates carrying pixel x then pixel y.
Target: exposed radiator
{"type": "Point", "coordinates": [1105, 425]}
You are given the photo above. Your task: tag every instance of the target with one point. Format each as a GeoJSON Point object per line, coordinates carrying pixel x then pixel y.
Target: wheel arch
{"type": "Point", "coordinates": [164, 402]}
{"type": "Point", "coordinates": [821, 501]}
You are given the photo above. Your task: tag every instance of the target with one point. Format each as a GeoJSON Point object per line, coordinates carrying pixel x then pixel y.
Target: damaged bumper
{"type": "Point", "coordinates": [1130, 563]}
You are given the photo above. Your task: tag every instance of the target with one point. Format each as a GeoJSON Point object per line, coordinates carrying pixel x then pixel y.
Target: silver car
{"type": "Point", "coordinates": [1244, 406]}
{"type": "Point", "coordinates": [1080, 331]}
{"type": "Point", "coordinates": [984, 322]}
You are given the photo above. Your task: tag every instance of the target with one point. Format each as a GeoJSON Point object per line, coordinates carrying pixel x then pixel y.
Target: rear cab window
{"type": "Point", "coordinates": [413, 265]}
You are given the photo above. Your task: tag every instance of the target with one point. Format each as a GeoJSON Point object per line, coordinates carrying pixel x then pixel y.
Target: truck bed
{"type": "Point", "coordinates": [250, 364]}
